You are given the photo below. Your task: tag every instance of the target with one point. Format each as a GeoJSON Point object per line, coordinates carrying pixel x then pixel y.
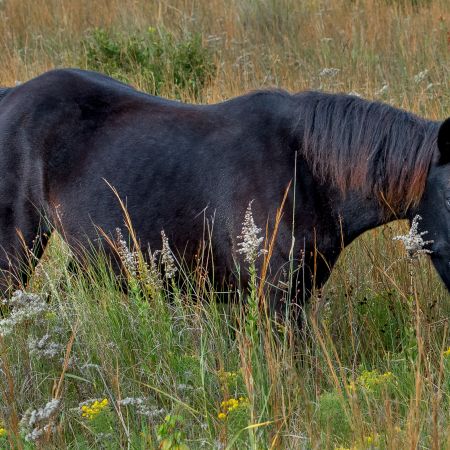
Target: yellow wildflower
{"type": "Point", "coordinates": [3, 431]}
{"type": "Point", "coordinates": [92, 411]}
{"type": "Point", "coordinates": [370, 379]}
{"type": "Point", "coordinates": [230, 405]}
{"type": "Point", "coordinates": [447, 352]}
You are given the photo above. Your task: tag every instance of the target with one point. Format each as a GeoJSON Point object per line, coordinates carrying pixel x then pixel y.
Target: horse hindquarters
{"type": "Point", "coordinates": [23, 237]}
{"type": "Point", "coordinates": [22, 232]}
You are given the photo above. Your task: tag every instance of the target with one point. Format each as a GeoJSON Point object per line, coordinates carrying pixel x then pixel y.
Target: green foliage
{"type": "Point", "coordinates": [169, 434]}
{"type": "Point", "coordinates": [163, 62]}
{"type": "Point", "coordinates": [384, 319]}
{"type": "Point", "coordinates": [332, 416]}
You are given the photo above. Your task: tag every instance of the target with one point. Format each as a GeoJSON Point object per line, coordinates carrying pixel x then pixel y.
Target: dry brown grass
{"type": "Point", "coordinates": [258, 44]}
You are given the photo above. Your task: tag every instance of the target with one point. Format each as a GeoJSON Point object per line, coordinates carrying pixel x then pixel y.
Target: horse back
{"type": "Point", "coordinates": [167, 159]}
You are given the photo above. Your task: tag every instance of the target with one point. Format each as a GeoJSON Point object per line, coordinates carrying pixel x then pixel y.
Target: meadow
{"type": "Point", "coordinates": [85, 364]}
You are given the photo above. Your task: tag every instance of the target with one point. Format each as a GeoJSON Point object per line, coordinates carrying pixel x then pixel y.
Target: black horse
{"type": "Point", "coordinates": [352, 165]}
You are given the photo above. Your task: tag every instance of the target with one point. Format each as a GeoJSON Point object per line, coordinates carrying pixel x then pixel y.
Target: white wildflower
{"type": "Point", "coordinates": [354, 93]}
{"type": "Point", "coordinates": [413, 241]}
{"type": "Point", "coordinates": [38, 422]}
{"type": "Point", "coordinates": [218, 445]}
{"type": "Point", "coordinates": [102, 437]}
{"type": "Point", "coordinates": [44, 347]}
{"type": "Point", "coordinates": [167, 258]}
{"type": "Point", "coordinates": [24, 307]}
{"type": "Point", "coordinates": [329, 72]}
{"type": "Point", "coordinates": [250, 245]}
{"type": "Point", "coordinates": [153, 275]}
{"type": "Point", "coordinates": [131, 401]}
{"type": "Point", "coordinates": [151, 413]}
{"type": "Point", "coordinates": [127, 257]}
{"type": "Point", "coordinates": [418, 78]}
{"type": "Point", "coordinates": [142, 407]}
{"type": "Point", "coordinates": [383, 89]}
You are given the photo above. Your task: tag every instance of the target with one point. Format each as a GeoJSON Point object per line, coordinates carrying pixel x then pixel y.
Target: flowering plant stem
{"type": "Point", "coordinates": [253, 337]}
{"type": "Point", "coordinates": [251, 322]}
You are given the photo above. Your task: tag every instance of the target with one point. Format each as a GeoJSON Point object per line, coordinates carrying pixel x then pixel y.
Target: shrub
{"type": "Point", "coordinates": [156, 58]}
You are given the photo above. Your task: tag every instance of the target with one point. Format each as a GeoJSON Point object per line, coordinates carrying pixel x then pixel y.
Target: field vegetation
{"type": "Point", "coordinates": [164, 364]}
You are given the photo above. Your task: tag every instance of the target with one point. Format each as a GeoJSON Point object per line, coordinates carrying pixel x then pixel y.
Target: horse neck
{"type": "Point", "coordinates": [355, 150]}
{"type": "Point", "coordinates": [356, 213]}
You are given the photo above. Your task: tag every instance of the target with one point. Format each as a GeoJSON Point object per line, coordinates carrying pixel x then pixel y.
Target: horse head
{"type": "Point", "coordinates": [434, 206]}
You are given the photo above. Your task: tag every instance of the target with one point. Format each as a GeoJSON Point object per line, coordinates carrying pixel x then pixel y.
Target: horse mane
{"type": "Point", "coordinates": [371, 147]}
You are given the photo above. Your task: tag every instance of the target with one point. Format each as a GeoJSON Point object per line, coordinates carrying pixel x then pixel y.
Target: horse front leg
{"type": "Point", "coordinates": [311, 272]}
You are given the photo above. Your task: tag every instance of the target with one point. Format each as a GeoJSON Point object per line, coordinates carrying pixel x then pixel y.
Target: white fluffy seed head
{"type": "Point", "coordinates": [251, 241]}
{"type": "Point", "coordinates": [167, 259]}
{"type": "Point", "coordinates": [413, 241]}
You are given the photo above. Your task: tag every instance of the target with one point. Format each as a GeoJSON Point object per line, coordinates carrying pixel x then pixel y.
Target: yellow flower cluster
{"type": "Point", "coordinates": [90, 412]}
{"type": "Point", "coordinates": [447, 353]}
{"type": "Point", "coordinates": [3, 431]}
{"type": "Point", "coordinates": [371, 379]}
{"type": "Point", "coordinates": [230, 405]}
{"type": "Point", "coordinates": [368, 442]}
{"type": "Point", "coordinates": [372, 439]}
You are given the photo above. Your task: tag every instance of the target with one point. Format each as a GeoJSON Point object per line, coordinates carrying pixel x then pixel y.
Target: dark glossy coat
{"type": "Point", "coordinates": [356, 165]}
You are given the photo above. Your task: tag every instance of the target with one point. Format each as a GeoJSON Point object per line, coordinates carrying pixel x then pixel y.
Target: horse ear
{"type": "Point", "coordinates": [443, 142]}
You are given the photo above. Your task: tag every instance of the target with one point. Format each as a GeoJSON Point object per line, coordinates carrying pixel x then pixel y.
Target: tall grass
{"type": "Point", "coordinates": [177, 367]}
